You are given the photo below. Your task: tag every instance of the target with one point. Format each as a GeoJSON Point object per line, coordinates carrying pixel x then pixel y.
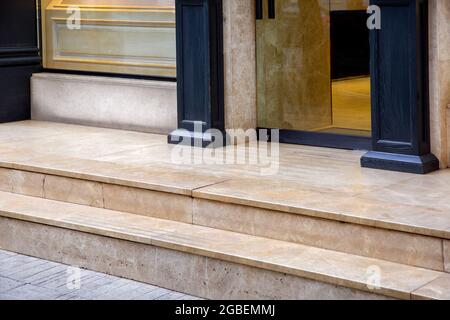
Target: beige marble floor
{"type": "Point", "coordinates": [313, 181]}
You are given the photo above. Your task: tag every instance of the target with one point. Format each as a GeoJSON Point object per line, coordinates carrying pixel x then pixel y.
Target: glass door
{"type": "Point", "coordinates": [313, 74]}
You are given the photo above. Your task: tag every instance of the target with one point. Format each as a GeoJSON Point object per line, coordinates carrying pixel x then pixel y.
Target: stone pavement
{"type": "Point", "coordinates": [28, 278]}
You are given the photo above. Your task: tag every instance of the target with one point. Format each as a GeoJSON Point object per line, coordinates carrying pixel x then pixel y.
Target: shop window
{"type": "Point", "coordinates": [132, 37]}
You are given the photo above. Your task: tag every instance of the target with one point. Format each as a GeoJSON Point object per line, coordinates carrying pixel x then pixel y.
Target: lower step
{"type": "Point", "coordinates": [201, 261]}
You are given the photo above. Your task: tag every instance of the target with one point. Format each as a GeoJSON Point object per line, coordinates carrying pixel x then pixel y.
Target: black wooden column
{"type": "Point", "coordinates": [400, 102]}
{"type": "Point", "coordinates": [199, 26]}
{"type": "Point", "coordinates": [19, 57]}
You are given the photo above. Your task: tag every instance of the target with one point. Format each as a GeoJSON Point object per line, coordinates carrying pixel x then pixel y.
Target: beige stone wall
{"type": "Point", "coordinates": [240, 64]}
{"type": "Point", "coordinates": [439, 31]}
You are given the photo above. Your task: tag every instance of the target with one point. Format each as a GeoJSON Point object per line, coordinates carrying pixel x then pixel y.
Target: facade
{"type": "Point", "coordinates": [321, 77]}
{"type": "Point", "coordinates": [248, 80]}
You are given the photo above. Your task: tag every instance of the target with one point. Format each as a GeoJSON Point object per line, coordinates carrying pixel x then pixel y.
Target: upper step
{"type": "Point", "coordinates": [347, 270]}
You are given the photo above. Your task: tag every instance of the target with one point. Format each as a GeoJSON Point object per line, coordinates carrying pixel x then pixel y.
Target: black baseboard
{"type": "Point", "coordinates": [322, 139]}
{"type": "Point", "coordinates": [110, 75]}
{"type": "Point", "coordinates": [401, 163]}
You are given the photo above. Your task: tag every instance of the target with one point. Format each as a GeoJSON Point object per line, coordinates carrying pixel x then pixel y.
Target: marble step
{"type": "Point", "coordinates": [202, 261]}
{"type": "Point", "coordinates": [277, 210]}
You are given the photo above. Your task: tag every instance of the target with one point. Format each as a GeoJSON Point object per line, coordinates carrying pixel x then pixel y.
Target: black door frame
{"type": "Point", "coordinates": [400, 82]}
{"type": "Point", "coordinates": [200, 73]}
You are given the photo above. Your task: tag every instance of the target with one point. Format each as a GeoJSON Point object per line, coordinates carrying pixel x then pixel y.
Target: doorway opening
{"type": "Point", "coordinates": [313, 71]}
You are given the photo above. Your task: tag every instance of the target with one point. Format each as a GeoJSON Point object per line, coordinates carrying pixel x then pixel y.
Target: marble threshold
{"type": "Point", "coordinates": [310, 181]}
{"type": "Point", "coordinates": [325, 266]}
